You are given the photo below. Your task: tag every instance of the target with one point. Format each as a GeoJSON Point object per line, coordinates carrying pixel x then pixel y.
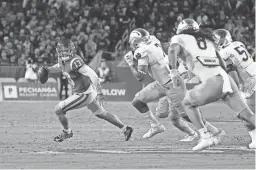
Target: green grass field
{"type": "Point", "coordinates": [27, 130]}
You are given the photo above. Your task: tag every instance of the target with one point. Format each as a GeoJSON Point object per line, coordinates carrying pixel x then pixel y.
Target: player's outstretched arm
{"type": "Point", "coordinates": [54, 69]}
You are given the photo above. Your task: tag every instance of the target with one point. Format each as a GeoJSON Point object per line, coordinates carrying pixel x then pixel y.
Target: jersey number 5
{"type": "Point", "coordinates": [240, 50]}
{"type": "Point", "coordinates": [201, 43]}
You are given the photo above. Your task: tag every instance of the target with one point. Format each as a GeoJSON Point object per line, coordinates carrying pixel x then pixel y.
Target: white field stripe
{"type": "Point", "coordinates": [134, 150]}
{"type": "Point", "coordinates": [30, 101]}
{"type": "Point", "coordinates": [48, 152]}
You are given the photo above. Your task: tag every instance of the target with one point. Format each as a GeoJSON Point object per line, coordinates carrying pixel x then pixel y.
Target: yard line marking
{"type": "Point", "coordinates": [49, 152]}
{"type": "Point", "coordinates": [109, 151]}
{"type": "Point", "coordinates": [234, 148]}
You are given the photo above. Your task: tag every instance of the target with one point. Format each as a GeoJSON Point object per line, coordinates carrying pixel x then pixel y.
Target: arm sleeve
{"type": "Point", "coordinates": [55, 68]}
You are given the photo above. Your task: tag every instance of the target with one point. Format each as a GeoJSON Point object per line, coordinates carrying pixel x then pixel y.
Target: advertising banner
{"type": "Point", "coordinates": [29, 91]}
{"type": "Point", "coordinates": [120, 91]}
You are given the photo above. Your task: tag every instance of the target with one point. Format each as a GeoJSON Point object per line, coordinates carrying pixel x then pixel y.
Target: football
{"type": "Point", "coordinates": [42, 75]}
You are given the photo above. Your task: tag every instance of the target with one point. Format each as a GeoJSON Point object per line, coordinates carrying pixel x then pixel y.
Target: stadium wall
{"type": "Point", "coordinates": [14, 87]}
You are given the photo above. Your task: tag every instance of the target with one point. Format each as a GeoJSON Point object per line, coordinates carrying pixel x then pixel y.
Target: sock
{"type": "Point", "coordinates": [151, 118]}
{"type": "Point", "coordinates": [211, 128]}
{"type": "Point", "coordinates": [123, 128]}
{"type": "Point", "coordinates": [252, 134]}
{"type": "Point", "coordinates": [203, 133]}
{"type": "Point", "coordinates": [68, 130]}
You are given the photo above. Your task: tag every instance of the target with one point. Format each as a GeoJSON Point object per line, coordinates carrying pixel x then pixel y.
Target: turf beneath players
{"type": "Point", "coordinates": [28, 129]}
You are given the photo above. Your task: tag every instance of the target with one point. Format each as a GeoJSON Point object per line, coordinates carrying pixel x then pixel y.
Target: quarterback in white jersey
{"type": "Point", "coordinates": [149, 57]}
{"type": "Point", "coordinates": [197, 50]}
{"type": "Point", "coordinates": [240, 66]}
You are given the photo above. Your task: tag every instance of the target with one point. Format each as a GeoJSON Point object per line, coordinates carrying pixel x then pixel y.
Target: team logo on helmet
{"type": "Point", "coordinates": [187, 25]}
{"type": "Point", "coordinates": [138, 36]}
{"type": "Point", "coordinates": [222, 38]}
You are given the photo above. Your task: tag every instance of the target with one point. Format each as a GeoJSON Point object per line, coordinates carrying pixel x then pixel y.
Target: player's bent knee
{"type": "Point", "coordinates": [186, 103]}
{"type": "Point", "coordinates": [162, 115]}
{"type": "Point", "coordinates": [140, 106]}
{"type": "Point", "coordinates": [175, 119]}
{"type": "Point", "coordinates": [245, 114]}
{"type": "Point", "coordinates": [58, 109]}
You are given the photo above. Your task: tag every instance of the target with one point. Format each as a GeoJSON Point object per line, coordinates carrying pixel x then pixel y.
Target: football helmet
{"type": "Point", "coordinates": [222, 38]}
{"type": "Point", "coordinates": [65, 49]}
{"type": "Point", "coordinates": [138, 36]}
{"type": "Point", "coordinates": [187, 25]}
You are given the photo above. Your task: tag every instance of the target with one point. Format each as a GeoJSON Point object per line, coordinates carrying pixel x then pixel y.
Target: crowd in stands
{"type": "Point", "coordinates": [29, 29]}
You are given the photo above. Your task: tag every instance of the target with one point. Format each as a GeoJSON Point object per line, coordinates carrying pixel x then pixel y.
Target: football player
{"type": "Point", "coordinates": [162, 111]}
{"type": "Point", "coordinates": [150, 58]}
{"type": "Point", "coordinates": [86, 86]}
{"type": "Point", "coordinates": [197, 50]}
{"type": "Point", "coordinates": [241, 68]}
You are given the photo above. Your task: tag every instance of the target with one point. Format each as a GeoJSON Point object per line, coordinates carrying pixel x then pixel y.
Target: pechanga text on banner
{"type": "Point", "coordinates": [29, 91]}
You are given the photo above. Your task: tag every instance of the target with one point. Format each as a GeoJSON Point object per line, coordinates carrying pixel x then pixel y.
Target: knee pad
{"type": "Point", "coordinates": [140, 106]}
{"type": "Point", "coordinates": [58, 109]}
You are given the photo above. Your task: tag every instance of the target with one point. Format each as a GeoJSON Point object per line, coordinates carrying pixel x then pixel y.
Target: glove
{"type": "Point", "coordinates": [176, 79]}
{"type": "Point", "coordinates": [129, 58]}
{"type": "Point", "coordinates": [42, 75]}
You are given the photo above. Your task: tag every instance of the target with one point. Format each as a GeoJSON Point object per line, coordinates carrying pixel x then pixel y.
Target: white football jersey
{"type": "Point", "coordinates": [152, 55]}
{"type": "Point", "coordinates": [240, 59]}
{"type": "Point", "coordinates": [198, 54]}
{"type": "Point", "coordinates": [238, 56]}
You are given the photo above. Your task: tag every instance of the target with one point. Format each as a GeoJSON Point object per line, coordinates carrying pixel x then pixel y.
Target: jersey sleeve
{"type": "Point", "coordinates": [143, 61]}
{"type": "Point", "coordinates": [176, 40]}
{"type": "Point", "coordinates": [76, 64]}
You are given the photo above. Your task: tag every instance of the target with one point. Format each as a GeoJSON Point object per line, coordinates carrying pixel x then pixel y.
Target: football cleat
{"type": "Point", "coordinates": [252, 145]}
{"type": "Point", "coordinates": [204, 142]}
{"type": "Point", "coordinates": [128, 133]}
{"type": "Point", "coordinates": [154, 130]}
{"type": "Point", "coordinates": [64, 135]}
{"type": "Point", "coordinates": [190, 138]}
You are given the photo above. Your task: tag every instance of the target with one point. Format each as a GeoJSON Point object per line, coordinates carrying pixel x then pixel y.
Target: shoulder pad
{"type": "Point", "coordinates": [76, 63]}
{"type": "Point", "coordinates": [141, 52]}
{"type": "Point", "coordinates": [175, 39]}
{"type": "Point", "coordinates": [154, 39]}
{"type": "Point", "coordinates": [225, 54]}
{"type": "Point", "coordinates": [236, 43]}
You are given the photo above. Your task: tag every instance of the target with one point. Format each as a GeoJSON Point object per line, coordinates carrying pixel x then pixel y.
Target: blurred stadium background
{"type": "Point", "coordinates": [100, 29]}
